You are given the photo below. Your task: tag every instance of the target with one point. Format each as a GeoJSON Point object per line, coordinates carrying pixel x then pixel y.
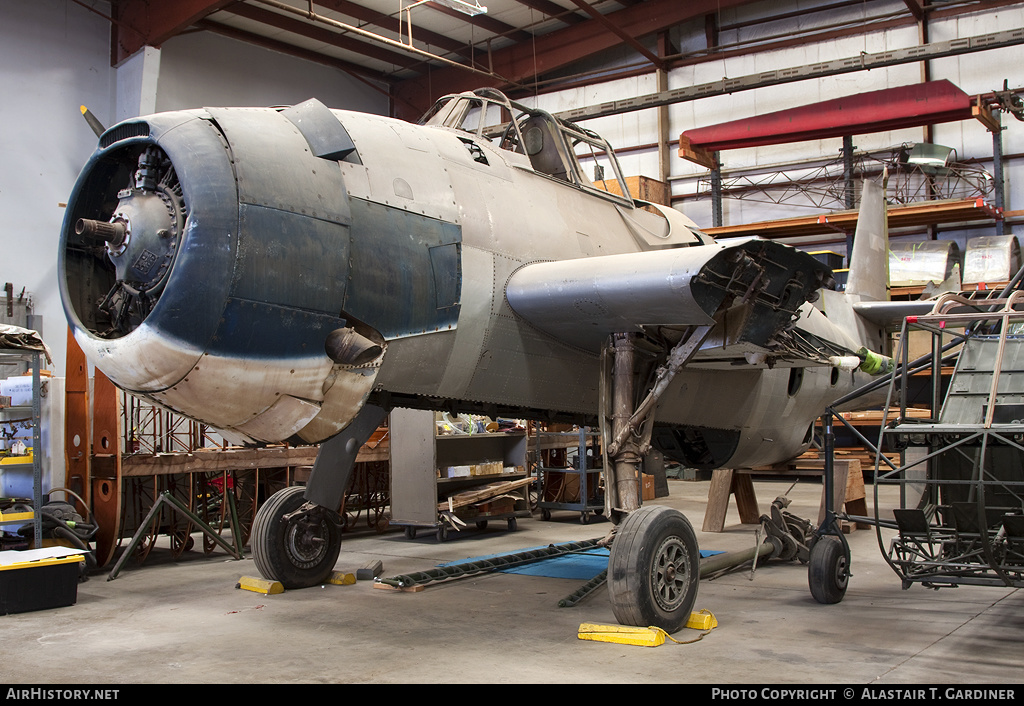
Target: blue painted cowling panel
{"type": "Point", "coordinates": [405, 276]}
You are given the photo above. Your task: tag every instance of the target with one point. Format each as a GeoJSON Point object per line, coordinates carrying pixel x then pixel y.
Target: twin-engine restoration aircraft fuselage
{"type": "Point", "coordinates": [293, 274]}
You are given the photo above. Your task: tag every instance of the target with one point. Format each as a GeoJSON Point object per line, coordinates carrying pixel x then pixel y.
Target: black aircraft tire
{"type": "Point", "coordinates": [827, 572]}
{"type": "Point", "coordinates": [283, 552]}
{"type": "Point", "coordinates": [654, 569]}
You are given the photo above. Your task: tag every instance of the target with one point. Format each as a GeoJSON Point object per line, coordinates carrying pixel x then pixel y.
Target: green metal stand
{"type": "Point", "coordinates": [166, 498]}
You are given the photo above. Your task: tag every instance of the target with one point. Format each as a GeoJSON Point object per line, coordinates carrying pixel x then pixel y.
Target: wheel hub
{"type": "Point", "coordinates": [841, 576]}
{"type": "Point", "coordinates": [305, 541]}
{"type": "Point", "coordinates": [669, 574]}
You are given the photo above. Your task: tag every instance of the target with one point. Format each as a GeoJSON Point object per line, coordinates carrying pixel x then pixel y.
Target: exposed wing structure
{"type": "Point", "coordinates": [583, 301]}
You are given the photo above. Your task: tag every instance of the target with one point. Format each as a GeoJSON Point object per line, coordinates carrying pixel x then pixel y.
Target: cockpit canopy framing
{"type": "Point", "coordinates": [556, 148]}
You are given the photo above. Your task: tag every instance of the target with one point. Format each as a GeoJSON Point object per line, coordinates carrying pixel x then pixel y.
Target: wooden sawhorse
{"type": "Point", "coordinates": [848, 491]}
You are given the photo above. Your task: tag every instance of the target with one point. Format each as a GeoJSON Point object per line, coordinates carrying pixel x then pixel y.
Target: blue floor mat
{"type": "Point", "coordinates": [582, 566]}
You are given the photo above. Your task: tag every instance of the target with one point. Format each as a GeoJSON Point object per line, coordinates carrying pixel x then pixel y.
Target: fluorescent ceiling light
{"type": "Point", "coordinates": [470, 8]}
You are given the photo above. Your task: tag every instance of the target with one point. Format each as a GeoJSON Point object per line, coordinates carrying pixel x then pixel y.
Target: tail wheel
{"type": "Point", "coordinates": [828, 573]}
{"type": "Point", "coordinates": [299, 549]}
{"type": "Point", "coordinates": [654, 569]}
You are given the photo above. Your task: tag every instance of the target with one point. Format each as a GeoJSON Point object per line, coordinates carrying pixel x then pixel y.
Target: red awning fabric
{"type": "Point", "coordinates": [928, 103]}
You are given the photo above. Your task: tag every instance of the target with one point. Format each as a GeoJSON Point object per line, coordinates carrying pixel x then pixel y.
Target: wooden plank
{"type": "Point", "coordinates": [718, 500]}
{"type": "Point", "coordinates": [237, 459]}
{"type": "Point", "coordinates": [907, 215]}
{"type": "Point", "coordinates": [746, 500]}
{"type": "Point", "coordinates": [208, 460]}
{"type": "Point", "coordinates": [488, 491]}
{"type": "Point", "coordinates": [725, 483]}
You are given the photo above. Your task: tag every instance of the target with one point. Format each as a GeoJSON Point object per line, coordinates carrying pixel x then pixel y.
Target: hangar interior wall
{"type": "Point", "coordinates": [55, 56]}
{"type": "Point", "coordinates": [976, 73]}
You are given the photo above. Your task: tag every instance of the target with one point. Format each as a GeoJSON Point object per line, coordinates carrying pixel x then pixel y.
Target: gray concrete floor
{"type": "Point", "coordinates": [185, 622]}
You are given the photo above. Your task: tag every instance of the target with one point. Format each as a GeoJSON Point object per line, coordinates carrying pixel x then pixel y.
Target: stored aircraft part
{"type": "Point", "coordinates": [718, 563]}
{"type": "Point", "coordinates": [294, 542]}
{"type": "Point", "coordinates": [654, 569]}
{"type": "Point", "coordinates": [794, 536]}
{"type": "Point", "coordinates": [585, 590]}
{"type": "Point", "coordinates": [872, 235]}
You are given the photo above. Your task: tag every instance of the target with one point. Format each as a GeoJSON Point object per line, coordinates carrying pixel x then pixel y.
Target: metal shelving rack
{"type": "Point", "coordinates": [416, 489]}
{"type": "Point", "coordinates": [9, 355]}
{"type": "Point", "coordinates": [587, 502]}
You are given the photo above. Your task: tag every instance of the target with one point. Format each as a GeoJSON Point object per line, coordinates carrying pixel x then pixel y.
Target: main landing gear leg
{"type": "Point", "coordinates": [296, 536]}
{"type": "Point", "coordinates": [654, 566]}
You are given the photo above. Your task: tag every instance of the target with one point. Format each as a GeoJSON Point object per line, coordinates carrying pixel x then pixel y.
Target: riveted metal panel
{"type": "Point", "coordinates": [290, 259]}
{"type": "Point", "coordinates": [405, 274]}
{"type": "Point", "coordinates": [275, 167]}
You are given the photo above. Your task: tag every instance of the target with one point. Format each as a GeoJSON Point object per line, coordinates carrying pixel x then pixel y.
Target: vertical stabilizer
{"type": "Point", "coordinates": [868, 278]}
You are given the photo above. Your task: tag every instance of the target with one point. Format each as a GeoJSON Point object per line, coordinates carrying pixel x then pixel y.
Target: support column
{"type": "Point", "coordinates": [137, 84]}
{"type": "Point", "coordinates": [997, 170]}
{"type": "Point", "coordinates": [661, 75]}
{"type": "Point", "coordinates": [849, 187]}
{"type": "Point", "coordinates": [716, 192]}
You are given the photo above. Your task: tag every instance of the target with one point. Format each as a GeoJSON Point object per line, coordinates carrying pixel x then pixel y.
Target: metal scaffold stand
{"type": "Point", "coordinates": [960, 519]}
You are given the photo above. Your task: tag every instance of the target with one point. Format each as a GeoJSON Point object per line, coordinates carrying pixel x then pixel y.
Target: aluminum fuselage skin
{"type": "Point", "coordinates": [416, 238]}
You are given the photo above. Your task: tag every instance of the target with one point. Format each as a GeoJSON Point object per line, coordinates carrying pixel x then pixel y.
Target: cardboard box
{"type": "Point", "coordinates": [19, 389]}
{"type": "Point", "coordinates": [501, 505]}
{"type": "Point", "coordinates": [38, 579]}
{"type": "Point", "coordinates": [457, 472]}
{"type": "Point", "coordinates": [647, 487]}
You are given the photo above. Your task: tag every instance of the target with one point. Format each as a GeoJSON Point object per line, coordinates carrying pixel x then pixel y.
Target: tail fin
{"type": "Point", "coordinates": [868, 278]}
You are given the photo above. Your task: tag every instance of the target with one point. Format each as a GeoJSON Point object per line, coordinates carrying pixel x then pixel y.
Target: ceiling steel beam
{"type": "Point", "coordinates": [861, 62]}
{"type": "Point", "coordinates": [320, 33]}
{"type": "Point", "coordinates": [624, 36]}
{"type": "Point", "coordinates": [348, 67]}
{"type": "Point", "coordinates": [554, 11]}
{"type": "Point", "coordinates": [488, 76]}
{"type": "Point", "coordinates": [916, 9]}
{"type": "Point", "coordinates": [522, 63]}
{"type": "Point", "coordinates": [139, 23]}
